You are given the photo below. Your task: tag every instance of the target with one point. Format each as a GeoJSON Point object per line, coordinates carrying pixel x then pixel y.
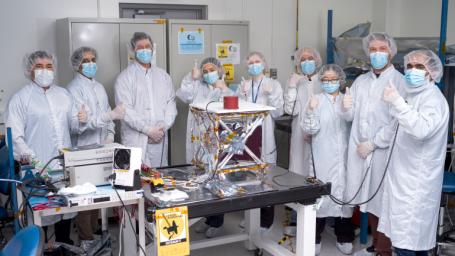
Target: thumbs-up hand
{"type": "Point", "coordinates": [195, 72]}
{"type": "Point", "coordinates": [245, 86]}
{"type": "Point", "coordinates": [268, 87]}
{"type": "Point", "coordinates": [313, 103]}
{"type": "Point", "coordinates": [220, 83]}
{"type": "Point", "coordinates": [294, 80]}
{"type": "Point", "coordinates": [347, 100]}
{"type": "Point", "coordinates": [82, 115]}
{"type": "Point", "coordinates": [390, 93]}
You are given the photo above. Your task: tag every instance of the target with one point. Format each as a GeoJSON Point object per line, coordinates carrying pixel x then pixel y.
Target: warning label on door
{"type": "Point", "coordinates": [228, 53]}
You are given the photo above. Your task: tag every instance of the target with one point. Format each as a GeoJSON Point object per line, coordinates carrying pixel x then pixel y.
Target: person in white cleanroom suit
{"type": "Point", "coordinates": [90, 100]}
{"type": "Point", "coordinates": [299, 88]}
{"type": "Point", "coordinates": [40, 118]}
{"type": "Point", "coordinates": [202, 84]}
{"type": "Point", "coordinates": [266, 91]}
{"type": "Point", "coordinates": [94, 124]}
{"type": "Point", "coordinates": [330, 135]}
{"type": "Point", "coordinates": [149, 99]}
{"type": "Point", "coordinates": [370, 134]}
{"type": "Point", "coordinates": [413, 183]}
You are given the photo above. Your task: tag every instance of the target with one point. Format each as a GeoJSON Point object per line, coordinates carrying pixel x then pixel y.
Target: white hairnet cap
{"type": "Point", "coordinates": [379, 36]}
{"type": "Point", "coordinates": [137, 37]}
{"type": "Point", "coordinates": [260, 55]}
{"type": "Point", "coordinates": [214, 61]}
{"type": "Point", "coordinates": [427, 58]}
{"type": "Point", "coordinates": [334, 68]}
{"type": "Point", "coordinates": [78, 56]}
{"type": "Point", "coordinates": [30, 61]}
{"type": "Point", "coordinates": [313, 52]}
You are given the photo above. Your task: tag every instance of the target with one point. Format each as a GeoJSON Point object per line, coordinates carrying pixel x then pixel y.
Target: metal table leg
{"type": "Point", "coordinates": [104, 221]}
{"type": "Point", "coordinates": [141, 216]}
{"type": "Point", "coordinates": [252, 223]}
{"type": "Point", "coordinates": [306, 218]}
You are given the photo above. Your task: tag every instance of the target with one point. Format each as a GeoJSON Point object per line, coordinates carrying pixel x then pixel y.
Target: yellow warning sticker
{"type": "Point", "coordinates": [222, 51]}
{"type": "Point", "coordinates": [228, 53]}
{"type": "Point", "coordinates": [229, 72]}
{"type": "Point", "coordinates": [172, 231]}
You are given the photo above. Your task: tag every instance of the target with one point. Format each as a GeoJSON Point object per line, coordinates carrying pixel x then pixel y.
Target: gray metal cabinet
{"type": "Point", "coordinates": [180, 64]}
{"type": "Point", "coordinates": [104, 37]}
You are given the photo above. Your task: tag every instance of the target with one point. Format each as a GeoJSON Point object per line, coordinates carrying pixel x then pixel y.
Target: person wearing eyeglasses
{"type": "Point", "coordinates": [412, 189]}
{"type": "Point", "coordinates": [329, 145]}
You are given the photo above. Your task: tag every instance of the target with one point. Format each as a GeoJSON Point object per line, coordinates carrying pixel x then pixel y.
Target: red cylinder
{"type": "Point", "coordinates": [231, 102]}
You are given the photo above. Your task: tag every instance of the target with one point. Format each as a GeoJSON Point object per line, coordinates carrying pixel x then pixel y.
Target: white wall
{"type": "Point", "coordinates": [26, 26]}
{"type": "Point", "coordinates": [313, 19]}
{"type": "Point", "coordinates": [420, 18]}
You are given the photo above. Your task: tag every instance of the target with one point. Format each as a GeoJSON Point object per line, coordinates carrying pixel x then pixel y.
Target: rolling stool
{"type": "Point", "coordinates": [448, 188]}
{"type": "Point", "coordinates": [28, 241]}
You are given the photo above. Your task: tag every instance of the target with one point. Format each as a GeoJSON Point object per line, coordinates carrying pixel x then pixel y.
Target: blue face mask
{"type": "Point", "coordinates": [330, 87]}
{"type": "Point", "coordinates": [144, 56]}
{"type": "Point", "coordinates": [415, 77]}
{"type": "Point", "coordinates": [89, 69]}
{"type": "Point", "coordinates": [379, 59]}
{"type": "Point", "coordinates": [308, 67]}
{"type": "Point", "coordinates": [255, 69]}
{"type": "Point", "coordinates": [211, 77]}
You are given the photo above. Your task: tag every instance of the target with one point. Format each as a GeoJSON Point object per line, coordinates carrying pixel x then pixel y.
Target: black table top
{"type": "Point", "coordinates": [280, 187]}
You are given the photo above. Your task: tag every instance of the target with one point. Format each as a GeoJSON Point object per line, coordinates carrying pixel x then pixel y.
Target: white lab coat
{"type": "Point", "coordinates": [330, 135]}
{"type": "Point", "coordinates": [40, 122]}
{"type": "Point", "coordinates": [274, 99]}
{"type": "Point", "coordinates": [149, 99]}
{"type": "Point", "coordinates": [92, 94]}
{"type": "Point", "coordinates": [370, 122]}
{"type": "Point", "coordinates": [413, 183]}
{"type": "Point", "coordinates": [196, 91]}
{"type": "Point", "coordinates": [295, 101]}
